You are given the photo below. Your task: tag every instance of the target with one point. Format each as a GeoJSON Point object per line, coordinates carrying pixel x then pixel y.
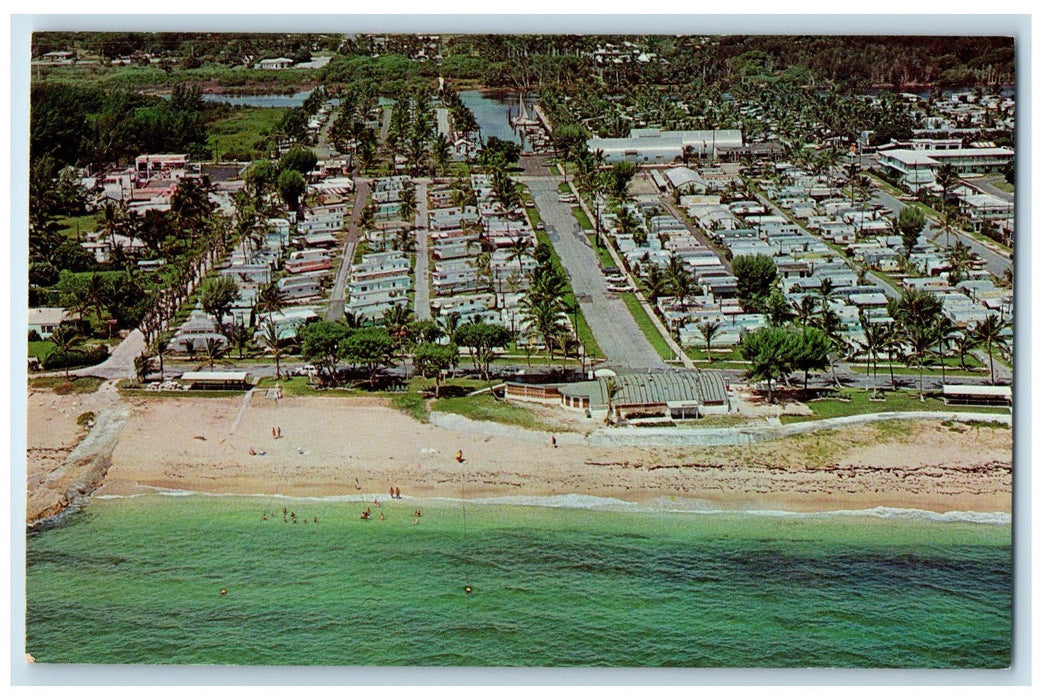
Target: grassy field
{"type": "Point", "coordinates": [647, 326]}
{"type": "Point", "coordinates": [488, 408]}
{"type": "Point", "coordinates": [240, 133]}
{"type": "Point", "coordinates": [40, 348]}
{"type": "Point", "coordinates": [61, 385]}
{"type": "Point", "coordinates": [852, 402]}
{"type": "Point", "coordinates": [71, 226]}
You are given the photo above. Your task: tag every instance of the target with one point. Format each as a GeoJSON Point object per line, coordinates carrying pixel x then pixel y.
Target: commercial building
{"type": "Point", "coordinates": [654, 146]}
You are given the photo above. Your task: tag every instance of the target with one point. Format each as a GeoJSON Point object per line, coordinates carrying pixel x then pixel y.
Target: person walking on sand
{"type": "Point", "coordinates": [553, 441]}
{"type": "Point", "coordinates": [459, 456]}
{"type": "Point", "coordinates": [397, 493]}
{"type": "Point", "coordinates": [391, 491]}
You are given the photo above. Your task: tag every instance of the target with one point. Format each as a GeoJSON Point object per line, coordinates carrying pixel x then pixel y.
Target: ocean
{"type": "Point", "coordinates": [587, 582]}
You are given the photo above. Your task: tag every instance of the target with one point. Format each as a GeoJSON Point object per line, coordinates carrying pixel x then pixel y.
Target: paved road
{"type": "Point", "coordinates": [335, 310]}
{"type": "Point", "coordinates": [986, 185]}
{"type": "Point", "coordinates": [995, 261]}
{"type": "Point", "coordinates": [693, 230]}
{"type": "Point", "coordinates": [621, 340]}
{"type": "Point", "coordinates": [120, 364]}
{"type": "Point", "coordinates": [422, 302]}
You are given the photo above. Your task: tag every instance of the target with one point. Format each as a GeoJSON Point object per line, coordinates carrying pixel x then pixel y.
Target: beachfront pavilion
{"type": "Point", "coordinates": [675, 394]}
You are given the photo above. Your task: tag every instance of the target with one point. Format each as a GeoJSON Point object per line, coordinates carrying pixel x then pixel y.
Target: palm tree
{"type": "Point", "coordinates": [965, 343]}
{"type": "Point", "coordinates": [826, 293]}
{"type": "Point", "coordinates": [991, 333]}
{"type": "Point", "coordinates": [943, 328]}
{"type": "Point", "coordinates": [271, 299]}
{"type": "Point", "coordinates": [546, 317]}
{"type": "Point", "coordinates": [806, 309]}
{"type": "Point", "coordinates": [65, 338]}
{"type": "Point", "coordinates": [920, 340]}
{"type": "Point", "coordinates": [946, 178]}
{"type": "Point", "coordinates": [892, 344]}
{"type": "Point", "coordinates": [161, 346]}
{"type": "Point", "coordinates": [708, 329]}
{"type": "Point", "coordinates": [627, 221]}
{"type": "Point", "coordinates": [144, 365]}
{"type": "Point", "coordinates": [612, 388]}
{"type": "Point", "coordinates": [519, 249]}
{"type": "Point", "coordinates": [874, 344]}
{"type": "Point", "coordinates": [678, 277]}
{"type": "Point", "coordinates": [215, 350]}
{"type": "Point", "coordinates": [655, 283]}
{"type": "Point", "coordinates": [274, 343]}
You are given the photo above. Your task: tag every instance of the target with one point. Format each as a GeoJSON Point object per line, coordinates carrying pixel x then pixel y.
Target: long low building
{"type": "Point", "coordinates": [678, 394]}
{"type": "Point", "coordinates": [215, 380]}
{"type": "Point", "coordinates": [655, 146]}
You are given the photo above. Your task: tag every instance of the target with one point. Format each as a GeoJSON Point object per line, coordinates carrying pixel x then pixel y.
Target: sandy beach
{"type": "Point", "coordinates": [346, 446]}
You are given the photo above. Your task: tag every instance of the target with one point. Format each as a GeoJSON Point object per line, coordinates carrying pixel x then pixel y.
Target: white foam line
{"type": "Point", "coordinates": [601, 503]}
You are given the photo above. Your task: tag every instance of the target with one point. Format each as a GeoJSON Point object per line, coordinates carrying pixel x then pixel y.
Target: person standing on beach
{"type": "Point", "coordinates": [397, 493]}
{"type": "Point", "coordinates": [553, 441]}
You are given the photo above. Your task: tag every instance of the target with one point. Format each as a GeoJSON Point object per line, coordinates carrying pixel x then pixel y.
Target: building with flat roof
{"type": "Point", "coordinates": [918, 168]}
{"type": "Point", "coordinates": [655, 146]}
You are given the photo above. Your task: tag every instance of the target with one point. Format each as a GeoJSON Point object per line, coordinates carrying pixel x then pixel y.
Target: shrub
{"type": "Point", "coordinates": [81, 357]}
{"type": "Point", "coordinates": [34, 336]}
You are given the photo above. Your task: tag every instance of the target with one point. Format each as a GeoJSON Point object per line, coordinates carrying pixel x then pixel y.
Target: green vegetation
{"type": "Point", "coordinates": [581, 217]}
{"type": "Point", "coordinates": [582, 327]}
{"type": "Point", "coordinates": [243, 133]}
{"type": "Point", "coordinates": [73, 226]}
{"type": "Point", "coordinates": [61, 385]}
{"type": "Point", "coordinates": [40, 348]}
{"type": "Point", "coordinates": [853, 402]}
{"type": "Point", "coordinates": [413, 403]}
{"type": "Point", "coordinates": [488, 408]}
{"type": "Point", "coordinates": [603, 255]}
{"type": "Point", "coordinates": [647, 326]}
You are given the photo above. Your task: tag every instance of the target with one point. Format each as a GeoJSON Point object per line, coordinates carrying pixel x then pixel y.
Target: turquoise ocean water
{"type": "Point", "coordinates": [139, 580]}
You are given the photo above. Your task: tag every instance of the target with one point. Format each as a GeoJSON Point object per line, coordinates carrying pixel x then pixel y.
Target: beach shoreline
{"type": "Point", "coordinates": [337, 447]}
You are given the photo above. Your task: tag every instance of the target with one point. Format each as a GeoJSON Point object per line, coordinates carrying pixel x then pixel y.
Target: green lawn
{"type": "Point", "coordinates": [647, 326]}
{"type": "Point", "coordinates": [602, 251]}
{"type": "Point", "coordinates": [563, 187]}
{"type": "Point", "coordinates": [852, 402]}
{"type": "Point", "coordinates": [71, 226]}
{"type": "Point", "coordinates": [239, 133]}
{"type": "Point", "coordinates": [487, 407]}
{"type": "Point", "coordinates": [581, 217]}
{"type": "Point", "coordinates": [40, 348]}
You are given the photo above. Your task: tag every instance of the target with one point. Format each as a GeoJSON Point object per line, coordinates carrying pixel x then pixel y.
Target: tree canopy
{"type": "Point", "coordinates": [756, 275]}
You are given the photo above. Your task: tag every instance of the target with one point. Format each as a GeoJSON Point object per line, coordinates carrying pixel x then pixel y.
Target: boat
{"type": "Point", "coordinates": [523, 118]}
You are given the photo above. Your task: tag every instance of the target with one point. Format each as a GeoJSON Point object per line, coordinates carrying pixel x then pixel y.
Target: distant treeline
{"type": "Point", "coordinates": [557, 61]}
{"type": "Point", "coordinates": [78, 125]}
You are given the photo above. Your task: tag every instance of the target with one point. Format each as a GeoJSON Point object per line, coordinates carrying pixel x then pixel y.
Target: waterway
{"type": "Point", "coordinates": [493, 110]}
